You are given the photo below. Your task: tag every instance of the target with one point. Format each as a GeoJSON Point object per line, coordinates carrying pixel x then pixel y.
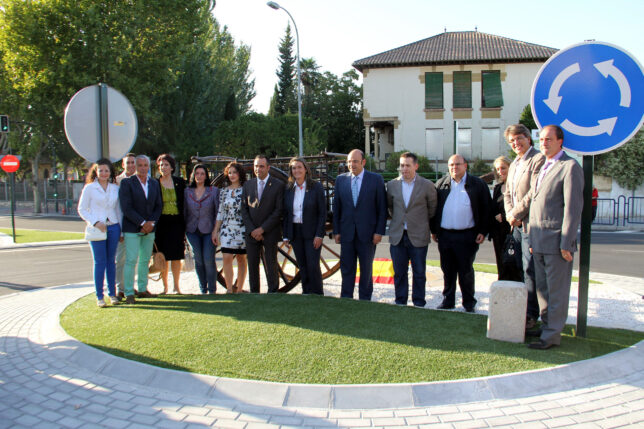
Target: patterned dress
{"type": "Point", "coordinates": [231, 234]}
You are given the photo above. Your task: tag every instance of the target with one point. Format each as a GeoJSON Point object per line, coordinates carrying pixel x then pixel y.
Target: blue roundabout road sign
{"type": "Point", "coordinates": [595, 92]}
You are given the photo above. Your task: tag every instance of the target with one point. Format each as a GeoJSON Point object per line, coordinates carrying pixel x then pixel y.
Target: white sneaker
{"type": "Point", "coordinates": [114, 300]}
{"type": "Point", "coordinates": [100, 303]}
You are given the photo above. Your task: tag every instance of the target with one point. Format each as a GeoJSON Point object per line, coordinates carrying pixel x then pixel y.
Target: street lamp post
{"type": "Point", "coordinates": [276, 6]}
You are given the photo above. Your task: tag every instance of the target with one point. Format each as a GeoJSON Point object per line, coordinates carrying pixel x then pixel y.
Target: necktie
{"type": "Point", "coordinates": [355, 191]}
{"type": "Point", "coordinates": [260, 189]}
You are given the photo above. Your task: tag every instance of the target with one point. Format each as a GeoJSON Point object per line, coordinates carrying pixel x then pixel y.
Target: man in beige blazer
{"type": "Point", "coordinates": [523, 170]}
{"type": "Point", "coordinates": [411, 201]}
{"type": "Point", "coordinates": [555, 215]}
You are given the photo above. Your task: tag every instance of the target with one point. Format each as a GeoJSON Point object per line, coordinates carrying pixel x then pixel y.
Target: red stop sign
{"type": "Point", "coordinates": [10, 163]}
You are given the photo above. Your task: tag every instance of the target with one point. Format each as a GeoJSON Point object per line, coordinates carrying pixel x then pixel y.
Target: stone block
{"type": "Point", "coordinates": [507, 314]}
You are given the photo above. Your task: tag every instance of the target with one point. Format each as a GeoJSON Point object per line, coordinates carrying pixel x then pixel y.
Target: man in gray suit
{"type": "Point", "coordinates": [555, 215]}
{"type": "Point", "coordinates": [523, 170]}
{"type": "Point", "coordinates": [262, 202]}
{"type": "Point", "coordinates": [411, 200]}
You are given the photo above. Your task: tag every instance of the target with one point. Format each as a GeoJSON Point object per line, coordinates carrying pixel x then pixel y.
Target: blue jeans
{"type": "Point", "coordinates": [104, 253]}
{"type": "Point", "coordinates": [138, 247]}
{"type": "Point", "coordinates": [204, 253]}
{"type": "Point", "coordinates": [401, 254]}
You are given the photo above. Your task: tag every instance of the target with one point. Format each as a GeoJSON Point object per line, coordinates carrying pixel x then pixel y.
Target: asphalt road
{"type": "Point", "coordinates": [27, 268]}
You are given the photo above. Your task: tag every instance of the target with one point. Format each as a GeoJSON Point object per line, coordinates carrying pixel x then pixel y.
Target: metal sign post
{"type": "Point", "coordinates": [10, 164]}
{"type": "Point", "coordinates": [595, 92]}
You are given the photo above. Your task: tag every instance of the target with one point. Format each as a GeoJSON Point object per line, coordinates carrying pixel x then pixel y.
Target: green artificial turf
{"type": "Point", "coordinates": [312, 339]}
{"type": "Point", "coordinates": [35, 236]}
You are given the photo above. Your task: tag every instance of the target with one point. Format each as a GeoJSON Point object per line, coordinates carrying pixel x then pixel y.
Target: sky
{"type": "Point", "coordinates": [338, 32]}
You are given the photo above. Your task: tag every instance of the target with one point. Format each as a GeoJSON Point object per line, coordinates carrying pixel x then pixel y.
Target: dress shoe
{"type": "Point", "coordinates": [444, 306]}
{"type": "Point", "coordinates": [120, 295]}
{"type": "Point", "coordinates": [540, 345]}
{"type": "Point", "coordinates": [533, 332]}
{"type": "Point", "coordinates": [470, 309]}
{"type": "Point", "coordinates": [146, 294]}
{"type": "Point", "coordinates": [130, 299]}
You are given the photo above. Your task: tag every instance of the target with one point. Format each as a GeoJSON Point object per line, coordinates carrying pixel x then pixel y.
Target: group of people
{"type": "Point", "coordinates": [538, 199]}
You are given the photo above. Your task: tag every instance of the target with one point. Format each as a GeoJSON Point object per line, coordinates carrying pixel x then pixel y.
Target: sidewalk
{"type": "Point", "coordinates": [48, 379]}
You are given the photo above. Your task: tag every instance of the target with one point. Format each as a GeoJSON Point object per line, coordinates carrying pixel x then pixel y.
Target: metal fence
{"type": "Point", "coordinates": [620, 211]}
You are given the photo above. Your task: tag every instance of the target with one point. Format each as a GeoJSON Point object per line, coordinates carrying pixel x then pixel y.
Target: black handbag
{"type": "Point", "coordinates": [512, 252]}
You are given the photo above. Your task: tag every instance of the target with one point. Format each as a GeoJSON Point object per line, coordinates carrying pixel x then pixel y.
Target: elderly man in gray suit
{"type": "Point", "coordinates": [523, 170]}
{"type": "Point", "coordinates": [555, 215]}
{"type": "Point", "coordinates": [411, 200]}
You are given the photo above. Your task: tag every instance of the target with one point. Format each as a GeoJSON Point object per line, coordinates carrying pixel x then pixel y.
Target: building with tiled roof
{"type": "Point", "coordinates": [415, 94]}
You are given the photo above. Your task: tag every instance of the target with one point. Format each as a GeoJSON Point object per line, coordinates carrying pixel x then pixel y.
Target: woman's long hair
{"type": "Point", "coordinates": [307, 178]}
{"type": "Point", "coordinates": [93, 171]}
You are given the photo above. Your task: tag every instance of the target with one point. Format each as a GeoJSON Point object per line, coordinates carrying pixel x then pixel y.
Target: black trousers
{"type": "Point", "coordinates": [457, 249]}
{"type": "Point", "coordinates": [308, 261]}
{"type": "Point", "coordinates": [253, 248]}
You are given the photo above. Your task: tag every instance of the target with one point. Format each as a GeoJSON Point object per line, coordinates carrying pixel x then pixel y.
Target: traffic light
{"type": "Point", "coordinates": [4, 123]}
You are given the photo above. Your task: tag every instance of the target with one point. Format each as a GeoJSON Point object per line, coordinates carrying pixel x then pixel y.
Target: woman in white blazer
{"type": "Point", "coordinates": [99, 206]}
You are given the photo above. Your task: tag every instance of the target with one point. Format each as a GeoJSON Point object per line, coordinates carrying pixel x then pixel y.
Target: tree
{"type": "Point", "coordinates": [527, 119]}
{"type": "Point", "coordinates": [625, 164]}
{"type": "Point", "coordinates": [284, 98]}
{"type": "Point", "coordinates": [170, 59]}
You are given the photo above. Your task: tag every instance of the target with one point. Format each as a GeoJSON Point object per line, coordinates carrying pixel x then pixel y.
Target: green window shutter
{"type": "Point", "coordinates": [462, 89]}
{"type": "Point", "coordinates": [434, 90]}
{"type": "Point", "coordinates": [492, 95]}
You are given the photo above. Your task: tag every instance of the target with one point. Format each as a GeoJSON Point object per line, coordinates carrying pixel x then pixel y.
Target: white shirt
{"type": "Point", "coordinates": [518, 169]}
{"type": "Point", "coordinates": [262, 186]}
{"type": "Point", "coordinates": [98, 205]}
{"type": "Point", "coordinates": [144, 185]}
{"type": "Point", "coordinates": [407, 189]}
{"type": "Point", "coordinates": [457, 211]}
{"type": "Point", "coordinates": [298, 202]}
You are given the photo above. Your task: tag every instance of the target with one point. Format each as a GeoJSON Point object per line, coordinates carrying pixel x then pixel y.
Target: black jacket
{"type": "Point", "coordinates": [480, 201]}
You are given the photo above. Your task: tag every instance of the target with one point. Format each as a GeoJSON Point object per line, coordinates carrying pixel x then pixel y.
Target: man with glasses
{"type": "Point", "coordinates": [459, 226]}
{"type": "Point", "coordinates": [523, 170]}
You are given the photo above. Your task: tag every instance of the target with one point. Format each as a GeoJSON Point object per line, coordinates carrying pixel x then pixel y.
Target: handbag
{"type": "Point", "coordinates": [157, 263]}
{"type": "Point", "coordinates": [94, 234]}
{"type": "Point", "coordinates": [189, 260]}
{"type": "Point", "coordinates": [511, 252]}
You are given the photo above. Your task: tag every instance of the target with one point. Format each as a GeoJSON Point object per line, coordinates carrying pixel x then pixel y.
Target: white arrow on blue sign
{"type": "Point", "coordinates": [595, 92]}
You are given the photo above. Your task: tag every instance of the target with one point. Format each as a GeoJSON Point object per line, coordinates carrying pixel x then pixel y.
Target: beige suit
{"type": "Point", "coordinates": [555, 215]}
{"type": "Point", "coordinates": [421, 208]}
{"type": "Point", "coordinates": [410, 245]}
{"type": "Point", "coordinates": [530, 168]}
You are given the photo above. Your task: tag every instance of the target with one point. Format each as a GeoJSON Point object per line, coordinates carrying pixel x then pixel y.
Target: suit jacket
{"type": "Point", "coordinates": [313, 212]}
{"type": "Point", "coordinates": [480, 201]}
{"type": "Point", "coordinates": [529, 172]}
{"type": "Point", "coordinates": [266, 212]}
{"type": "Point", "coordinates": [417, 215]}
{"type": "Point", "coordinates": [368, 217]}
{"type": "Point", "coordinates": [555, 211]}
{"type": "Point", "coordinates": [135, 207]}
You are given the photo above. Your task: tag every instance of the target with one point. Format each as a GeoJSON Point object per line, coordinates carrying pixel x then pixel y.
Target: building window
{"type": "Point", "coordinates": [491, 94]}
{"type": "Point", "coordinates": [434, 90]}
{"type": "Point", "coordinates": [434, 143]}
{"type": "Point", "coordinates": [462, 90]}
{"type": "Point", "coordinates": [464, 142]}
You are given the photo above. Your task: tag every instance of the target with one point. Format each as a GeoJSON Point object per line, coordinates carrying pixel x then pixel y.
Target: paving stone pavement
{"type": "Point", "coordinates": [49, 380]}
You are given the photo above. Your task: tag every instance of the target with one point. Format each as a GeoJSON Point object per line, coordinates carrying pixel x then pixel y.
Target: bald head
{"type": "Point", "coordinates": [356, 161]}
{"type": "Point", "coordinates": [457, 167]}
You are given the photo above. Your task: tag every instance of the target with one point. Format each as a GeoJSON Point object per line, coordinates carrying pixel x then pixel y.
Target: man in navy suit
{"type": "Point", "coordinates": [359, 216]}
{"type": "Point", "coordinates": [141, 204]}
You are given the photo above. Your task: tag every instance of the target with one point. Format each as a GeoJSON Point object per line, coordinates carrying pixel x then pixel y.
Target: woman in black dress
{"type": "Point", "coordinates": [499, 226]}
{"type": "Point", "coordinates": [171, 227]}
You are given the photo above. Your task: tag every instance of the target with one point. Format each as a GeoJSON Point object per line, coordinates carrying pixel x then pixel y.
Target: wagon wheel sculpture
{"type": "Point", "coordinates": [288, 272]}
